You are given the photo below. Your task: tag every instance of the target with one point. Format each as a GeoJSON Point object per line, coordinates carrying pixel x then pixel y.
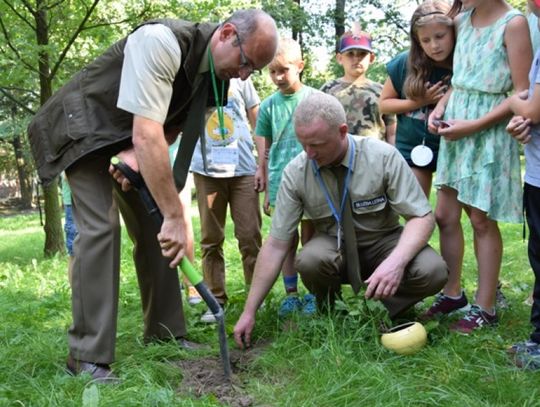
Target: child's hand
{"type": "Point", "coordinates": [434, 93]}
{"type": "Point", "coordinates": [259, 181]}
{"type": "Point", "coordinates": [128, 157]}
{"type": "Point", "coordinates": [519, 128]}
{"type": "Point", "coordinates": [457, 129]}
{"type": "Point", "coordinates": [524, 94]}
{"type": "Point", "coordinates": [434, 120]}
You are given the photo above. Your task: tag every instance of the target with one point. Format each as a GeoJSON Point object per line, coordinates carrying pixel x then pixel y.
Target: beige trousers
{"type": "Point", "coordinates": [322, 270]}
{"type": "Point", "coordinates": [213, 197]}
{"type": "Point", "coordinates": [96, 264]}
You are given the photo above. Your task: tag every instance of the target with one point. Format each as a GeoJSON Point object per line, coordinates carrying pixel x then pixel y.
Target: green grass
{"type": "Point", "coordinates": [324, 362]}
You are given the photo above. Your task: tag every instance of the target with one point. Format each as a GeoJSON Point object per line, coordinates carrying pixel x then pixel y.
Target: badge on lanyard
{"type": "Point", "coordinates": [338, 215]}
{"type": "Point", "coordinates": [421, 155]}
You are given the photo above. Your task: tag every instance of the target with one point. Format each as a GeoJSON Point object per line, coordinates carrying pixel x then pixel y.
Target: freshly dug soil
{"type": "Point", "coordinates": [204, 376]}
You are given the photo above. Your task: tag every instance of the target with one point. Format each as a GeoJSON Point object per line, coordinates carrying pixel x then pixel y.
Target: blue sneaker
{"type": "Point", "coordinates": [528, 357]}
{"type": "Point", "coordinates": [521, 347]}
{"type": "Point", "coordinates": [310, 305]}
{"type": "Point", "coordinates": [290, 304]}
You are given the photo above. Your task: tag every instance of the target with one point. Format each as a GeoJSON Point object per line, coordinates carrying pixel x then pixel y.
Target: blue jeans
{"type": "Point", "coordinates": [70, 229]}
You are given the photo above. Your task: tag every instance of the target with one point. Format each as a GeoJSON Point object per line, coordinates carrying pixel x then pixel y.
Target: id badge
{"type": "Point", "coordinates": [225, 155]}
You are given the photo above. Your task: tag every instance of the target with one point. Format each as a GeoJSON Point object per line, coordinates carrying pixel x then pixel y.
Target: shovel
{"type": "Point", "coordinates": [137, 182]}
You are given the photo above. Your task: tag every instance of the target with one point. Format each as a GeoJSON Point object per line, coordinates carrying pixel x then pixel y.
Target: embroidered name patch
{"type": "Point", "coordinates": [369, 202]}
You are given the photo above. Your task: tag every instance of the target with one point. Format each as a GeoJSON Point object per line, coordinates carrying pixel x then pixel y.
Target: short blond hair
{"type": "Point", "coordinates": [289, 49]}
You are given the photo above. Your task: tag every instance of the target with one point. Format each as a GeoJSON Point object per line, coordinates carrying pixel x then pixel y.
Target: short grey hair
{"type": "Point", "coordinates": [319, 105]}
{"type": "Point", "coordinates": [248, 21]}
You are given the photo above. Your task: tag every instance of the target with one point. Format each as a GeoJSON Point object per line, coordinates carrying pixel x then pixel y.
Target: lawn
{"type": "Point", "coordinates": [323, 361]}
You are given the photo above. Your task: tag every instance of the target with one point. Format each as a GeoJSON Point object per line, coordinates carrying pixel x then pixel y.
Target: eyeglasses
{"type": "Point", "coordinates": [245, 65]}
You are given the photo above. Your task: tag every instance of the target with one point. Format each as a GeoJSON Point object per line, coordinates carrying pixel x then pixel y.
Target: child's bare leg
{"type": "Point", "coordinates": [448, 215]}
{"type": "Point", "coordinates": [290, 277]}
{"type": "Point", "coordinates": [488, 249]}
{"type": "Point", "coordinates": [424, 178]}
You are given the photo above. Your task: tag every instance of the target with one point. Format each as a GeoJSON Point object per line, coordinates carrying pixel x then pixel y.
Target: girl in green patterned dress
{"type": "Point", "coordinates": [417, 80]}
{"type": "Point", "coordinates": [478, 168]}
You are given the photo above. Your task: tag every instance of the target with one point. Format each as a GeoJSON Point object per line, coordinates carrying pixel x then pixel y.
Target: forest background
{"type": "Point", "coordinates": [44, 42]}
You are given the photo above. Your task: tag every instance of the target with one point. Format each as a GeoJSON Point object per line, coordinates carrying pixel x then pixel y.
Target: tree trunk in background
{"type": "Point", "coordinates": [339, 19]}
{"type": "Point", "coordinates": [54, 235]}
{"type": "Point", "coordinates": [296, 33]}
{"type": "Point", "coordinates": [25, 179]}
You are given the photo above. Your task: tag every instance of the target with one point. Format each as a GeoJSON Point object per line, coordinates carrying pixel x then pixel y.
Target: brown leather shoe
{"type": "Point", "coordinates": [100, 373]}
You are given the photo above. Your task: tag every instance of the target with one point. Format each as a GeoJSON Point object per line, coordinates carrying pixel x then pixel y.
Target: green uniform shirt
{"type": "Point", "coordinates": [382, 188]}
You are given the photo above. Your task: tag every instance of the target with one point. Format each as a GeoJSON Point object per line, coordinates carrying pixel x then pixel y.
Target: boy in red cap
{"type": "Point", "coordinates": [358, 94]}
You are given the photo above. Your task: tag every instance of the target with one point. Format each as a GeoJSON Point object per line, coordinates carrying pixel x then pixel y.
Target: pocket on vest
{"type": "Point", "coordinates": [76, 118]}
{"type": "Point", "coordinates": [68, 123]}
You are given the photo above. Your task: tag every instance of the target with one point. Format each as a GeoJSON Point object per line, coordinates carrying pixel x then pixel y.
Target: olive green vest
{"type": "Point", "coordinates": [82, 116]}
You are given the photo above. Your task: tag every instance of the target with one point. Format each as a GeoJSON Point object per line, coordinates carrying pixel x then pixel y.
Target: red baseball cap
{"type": "Point", "coordinates": [361, 40]}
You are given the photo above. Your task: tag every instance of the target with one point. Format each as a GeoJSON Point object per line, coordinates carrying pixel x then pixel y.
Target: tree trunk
{"type": "Point", "coordinates": [25, 181]}
{"type": "Point", "coordinates": [339, 20]}
{"type": "Point", "coordinates": [54, 236]}
{"type": "Point", "coordinates": [296, 33]}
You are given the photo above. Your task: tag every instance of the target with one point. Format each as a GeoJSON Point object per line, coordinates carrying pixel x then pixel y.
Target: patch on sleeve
{"type": "Point", "coordinates": [369, 202]}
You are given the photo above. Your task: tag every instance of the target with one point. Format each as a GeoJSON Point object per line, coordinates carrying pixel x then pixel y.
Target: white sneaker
{"type": "Point", "coordinates": [193, 296]}
{"type": "Point", "coordinates": [208, 317]}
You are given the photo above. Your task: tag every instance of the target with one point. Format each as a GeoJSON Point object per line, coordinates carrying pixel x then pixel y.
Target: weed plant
{"type": "Point", "coordinates": [329, 360]}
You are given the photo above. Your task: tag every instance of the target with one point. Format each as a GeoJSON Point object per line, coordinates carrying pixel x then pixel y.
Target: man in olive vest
{"type": "Point", "coordinates": [132, 102]}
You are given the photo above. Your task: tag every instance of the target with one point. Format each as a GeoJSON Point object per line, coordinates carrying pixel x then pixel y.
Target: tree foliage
{"type": "Point", "coordinates": [44, 42]}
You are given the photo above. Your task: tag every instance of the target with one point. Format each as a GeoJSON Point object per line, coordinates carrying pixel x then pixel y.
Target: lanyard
{"type": "Point", "coordinates": [219, 100]}
{"type": "Point", "coordinates": [337, 216]}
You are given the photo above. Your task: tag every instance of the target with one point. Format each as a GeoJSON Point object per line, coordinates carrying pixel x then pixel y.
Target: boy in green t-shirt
{"type": "Point", "coordinates": [358, 94]}
{"type": "Point", "coordinates": [275, 124]}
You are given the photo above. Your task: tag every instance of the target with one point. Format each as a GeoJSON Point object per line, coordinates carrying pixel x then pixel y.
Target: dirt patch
{"type": "Point", "coordinates": [204, 376]}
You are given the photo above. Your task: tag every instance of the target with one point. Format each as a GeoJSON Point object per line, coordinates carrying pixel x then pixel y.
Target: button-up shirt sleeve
{"type": "Point", "coordinates": [152, 59]}
{"type": "Point", "coordinates": [289, 206]}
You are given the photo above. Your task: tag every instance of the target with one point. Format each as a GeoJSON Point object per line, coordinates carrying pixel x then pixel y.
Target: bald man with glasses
{"type": "Point", "coordinates": [132, 102]}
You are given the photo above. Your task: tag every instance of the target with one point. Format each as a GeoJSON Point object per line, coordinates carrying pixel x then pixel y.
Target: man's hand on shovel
{"type": "Point", "coordinates": [128, 158]}
{"type": "Point", "coordinates": [171, 238]}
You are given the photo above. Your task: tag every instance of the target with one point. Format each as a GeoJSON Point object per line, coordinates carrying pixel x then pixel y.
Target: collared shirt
{"type": "Point", "coordinates": [152, 58]}
{"type": "Point", "coordinates": [382, 188]}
